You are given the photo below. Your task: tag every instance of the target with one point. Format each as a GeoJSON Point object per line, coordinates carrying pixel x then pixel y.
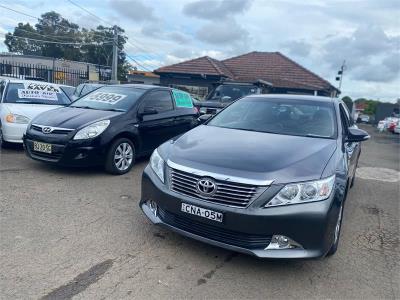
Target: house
{"type": "Point", "coordinates": [277, 72]}
{"type": "Point", "coordinates": [136, 76]}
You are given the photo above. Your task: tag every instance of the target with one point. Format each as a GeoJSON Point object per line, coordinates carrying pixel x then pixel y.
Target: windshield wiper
{"type": "Point", "coordinates": [84, 107]}
{"type": "Point", "coordinates": [317, 136]}
{"type": "Point", "coordinates": [114, 109]}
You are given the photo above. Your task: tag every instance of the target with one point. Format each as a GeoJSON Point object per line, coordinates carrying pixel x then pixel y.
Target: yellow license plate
{"type": "Point", "coordinates": [42, 147]}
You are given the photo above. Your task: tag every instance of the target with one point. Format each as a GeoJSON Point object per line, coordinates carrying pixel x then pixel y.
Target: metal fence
{"type": "Point", "coordinates": [54, 75]}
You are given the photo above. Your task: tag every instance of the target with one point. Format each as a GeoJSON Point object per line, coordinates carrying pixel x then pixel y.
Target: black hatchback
{"type": "Point", "coordinates": [110, 126]}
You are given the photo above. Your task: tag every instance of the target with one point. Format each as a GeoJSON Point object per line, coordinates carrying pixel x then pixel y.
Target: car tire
{"type": "Point", "coordinates": [117, 162]}
{"type": "Point", "coordinates": [337, 231]}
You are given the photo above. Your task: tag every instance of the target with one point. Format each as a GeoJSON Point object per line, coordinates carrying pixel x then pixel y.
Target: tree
{"type": "Point", "coordinates": [349, 102]}
{"type": "Point", "coordinates": [70, 42]}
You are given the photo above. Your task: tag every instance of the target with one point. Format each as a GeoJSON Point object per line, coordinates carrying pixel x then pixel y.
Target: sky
{"type": "Point", "coordinates": [319, 35]}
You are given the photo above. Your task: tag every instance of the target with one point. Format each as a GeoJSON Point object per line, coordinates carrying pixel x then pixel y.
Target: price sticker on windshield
{"type": "Point", "coordinates": [110, 98]}
{"type": "Point", "coordinates": [182, 99]}
{"type": "Point", "coordinates": [38, 86]}
{"type": "Point", "coordinates": [37, 94]}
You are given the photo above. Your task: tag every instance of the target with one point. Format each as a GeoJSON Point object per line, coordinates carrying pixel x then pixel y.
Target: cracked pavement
{"type": "Point", "coordinates": [79, 233]}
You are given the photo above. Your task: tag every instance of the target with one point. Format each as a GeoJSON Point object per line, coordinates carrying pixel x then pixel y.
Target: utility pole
{"type": "Point", "coordinates": [340, 74]}
{"type": "Point", "coordinates": [115, 57]}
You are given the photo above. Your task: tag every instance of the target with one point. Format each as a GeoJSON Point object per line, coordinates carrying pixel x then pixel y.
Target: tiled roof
{"type": "Point", "coordinates": [272, 67]}
{"type": "Point", "coordinates": [202, 65]}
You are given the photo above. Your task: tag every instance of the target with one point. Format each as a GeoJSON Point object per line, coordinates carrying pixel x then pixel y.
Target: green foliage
{"type": "Point", "coordinates": [53, 27]}
{"type": "Point", "coordinates": [349, 102]}
{"type": "Point", "coordinates": [369, 105]}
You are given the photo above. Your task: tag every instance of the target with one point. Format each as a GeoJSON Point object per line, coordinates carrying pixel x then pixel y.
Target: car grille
{"type": "Point", "coordinates": [235, 238]}
{"type": "Point", "coordinates": [228, 193]}
{"type": "Point", "coordinates": [55, 131]}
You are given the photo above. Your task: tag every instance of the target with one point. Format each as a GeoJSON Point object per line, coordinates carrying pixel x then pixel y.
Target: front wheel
{"type": "Point", "coordinates": [120, 157]}
{"type": "Point", "coordinates": [337, 232]}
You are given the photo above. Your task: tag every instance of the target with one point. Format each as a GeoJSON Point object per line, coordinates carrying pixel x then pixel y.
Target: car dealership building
{"type": "Point", "coordinates": [276, 72]}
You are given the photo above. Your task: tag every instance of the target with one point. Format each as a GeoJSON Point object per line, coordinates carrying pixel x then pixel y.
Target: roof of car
{"type": "Point", "coordinates": [293, 97]}
{"type": "Point", "coordinates": [140, 86]}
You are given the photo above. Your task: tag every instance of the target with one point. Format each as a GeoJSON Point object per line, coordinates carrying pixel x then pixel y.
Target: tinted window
{"type": "Point", "coordinates": [35, 93]}
{"type": "Point", "coordinates": [159, 100]}
{"type": "Point", "coordinates": [110, 98]}
{"type": "Point", "coordinates": [232, 91]}
{"type": "Point", "coordinates": [280, 116]}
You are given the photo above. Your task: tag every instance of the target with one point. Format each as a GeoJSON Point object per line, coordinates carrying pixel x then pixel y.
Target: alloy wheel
{"type": "Point", "coordinates": [123, 156]}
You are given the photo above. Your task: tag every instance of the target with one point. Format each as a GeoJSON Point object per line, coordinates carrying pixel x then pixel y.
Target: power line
{"type": "Point", "coordinates": [107, 22]}
{"type": "Point", "coordinates": [69, 28]}
{"type": "Point", "coordinates": [90, 13]}
{"type": "Point", "coordinates": [53, 42]}
{"type": "Point", "coordinates": [51, 36]}
{"type": "Point", "coordinates": [59, 25]}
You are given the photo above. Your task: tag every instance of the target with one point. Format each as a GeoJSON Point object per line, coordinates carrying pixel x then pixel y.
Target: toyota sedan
{"type": "Point", "coordinates": [267, 176]}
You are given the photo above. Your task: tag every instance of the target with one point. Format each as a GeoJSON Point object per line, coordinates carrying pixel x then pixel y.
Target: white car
{"type": "Point", "coordinates": [21, 101]}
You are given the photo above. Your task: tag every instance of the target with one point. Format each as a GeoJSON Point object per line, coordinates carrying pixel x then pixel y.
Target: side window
{"type": "Point", "coordinates": [348, 115]}
{"type": "Point", "coordinates": [159, 100]}
{"type": "Point", "coordinates": [344, 117]}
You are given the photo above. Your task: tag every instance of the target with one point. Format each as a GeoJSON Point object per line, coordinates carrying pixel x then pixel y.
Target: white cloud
{"type": "Point", "coordinates": [317, 34]}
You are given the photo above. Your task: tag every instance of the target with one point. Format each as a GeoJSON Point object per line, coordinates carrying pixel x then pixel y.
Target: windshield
{"type": "Point", "coordinates": [35, 93]}
{"type": "Point", "coordinates": [69, 90]}
{"type": "Point", "coordinates": [110, 98]}
{"type": "Point", "coordinates": [280, 116]}
{"type": "Point", "coordinates": [232, 91]}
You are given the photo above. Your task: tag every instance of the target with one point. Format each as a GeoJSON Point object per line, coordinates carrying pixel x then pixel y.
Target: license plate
{"type": "Point", "coordinates": [42, 147]}
{"type": "Point", "coordinates": [201, 212]}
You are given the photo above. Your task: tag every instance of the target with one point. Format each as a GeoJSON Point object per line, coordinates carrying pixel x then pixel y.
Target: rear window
{"type": "Point", "coordinates": [110, 98]}
{"type": "Point", "coordinates": [35, 93]}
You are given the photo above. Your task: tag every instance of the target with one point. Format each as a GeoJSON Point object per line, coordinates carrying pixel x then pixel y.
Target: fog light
{"type": "Point", "coordinates": [282, 242]}
{"type": "Point", "coordinates": [153, 206]}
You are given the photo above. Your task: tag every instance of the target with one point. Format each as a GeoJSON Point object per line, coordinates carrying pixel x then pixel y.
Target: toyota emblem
{"type": "Point", "coordinates": [206, 186]}
{"type": "Point", "coordinates": [47, 129]}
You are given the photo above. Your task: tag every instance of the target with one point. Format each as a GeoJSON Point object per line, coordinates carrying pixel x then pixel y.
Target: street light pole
{"type": "Point", "coordinates": [340, 74]}
{"type": "Point", "coordinates": [115, 57]}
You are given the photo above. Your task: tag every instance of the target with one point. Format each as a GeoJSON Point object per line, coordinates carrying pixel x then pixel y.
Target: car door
{"type": "Point", "coordinates": [352, 150]}
{"type": "Point", "coordinates": [156, 114]}
{"type": "Point", "coordinates": [186, 114]}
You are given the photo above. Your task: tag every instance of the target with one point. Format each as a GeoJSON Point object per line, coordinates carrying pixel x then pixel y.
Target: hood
{"type": "Point", "coordinates": [213, 104]}
{"type": "Point", "coordinates": [72, 117]}
{"type": "Point", "coordinates": [28, 110]}
{"type": "Point", "coordinates": [252, 155]}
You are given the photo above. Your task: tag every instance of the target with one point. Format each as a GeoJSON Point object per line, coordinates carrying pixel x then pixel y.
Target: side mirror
{"type": "Point", "coordinates": [357, 135]}
{"type": "Point", "coordinates": [226, 99]}
{"type": "Point", "coordinates": [204, 118]}
{"type": "Point", "coordinates": [148, 111]}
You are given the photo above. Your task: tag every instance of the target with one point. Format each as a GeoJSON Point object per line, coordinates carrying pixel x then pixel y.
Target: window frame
{"type": "Point", "coordinates": [150, 93]}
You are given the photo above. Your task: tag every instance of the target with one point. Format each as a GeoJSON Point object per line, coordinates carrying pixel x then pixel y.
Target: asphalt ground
{"type": "Point", "coordinates": [80, 233]}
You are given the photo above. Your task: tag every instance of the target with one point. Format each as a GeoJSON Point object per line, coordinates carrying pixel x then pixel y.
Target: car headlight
{"type": "Point", "coordinates": [303, 192]}
{"type": "Point", "coordinates": [92, 130]}
{"type": "Point", "coordinates": [18, 119]}
{"type": "Point", "coordinates": [157, 165]}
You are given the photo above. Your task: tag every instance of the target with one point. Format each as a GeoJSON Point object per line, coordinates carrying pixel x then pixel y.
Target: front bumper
{"type": "Point", "coordinates": [67, 152]}
{"type": "Point", "coordinates": [13, 132]}
{"type": "Point", "coordinates": [247, 230]}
